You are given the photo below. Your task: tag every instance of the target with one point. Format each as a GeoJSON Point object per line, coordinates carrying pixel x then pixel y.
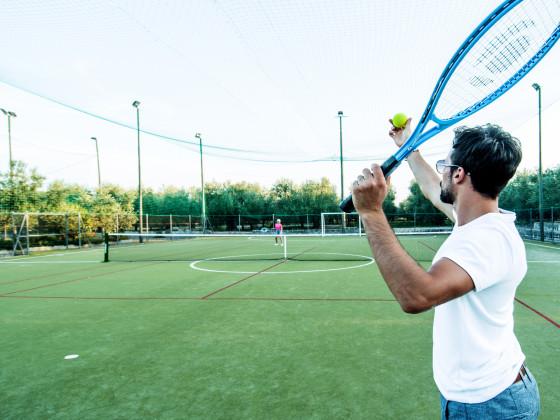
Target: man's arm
{"type": "Point", "coordinates": [415, 289]}
{"type": "Point", "coordinates": [427, 178]}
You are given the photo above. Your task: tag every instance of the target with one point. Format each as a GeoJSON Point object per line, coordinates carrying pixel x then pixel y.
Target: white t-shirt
{"type": "Point", "coordinates": [476, 354]}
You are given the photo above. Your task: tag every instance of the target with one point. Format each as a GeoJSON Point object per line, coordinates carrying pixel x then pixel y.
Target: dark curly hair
{"type": "Point", "coordinates": [490, 154]}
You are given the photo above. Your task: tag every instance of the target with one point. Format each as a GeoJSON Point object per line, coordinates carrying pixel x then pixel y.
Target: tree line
{"type": "Point", "coordinates": [23, 190]}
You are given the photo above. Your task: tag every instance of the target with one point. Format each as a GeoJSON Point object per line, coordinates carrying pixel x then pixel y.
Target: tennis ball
{"type": "Point", "coordinates": [399, 120]}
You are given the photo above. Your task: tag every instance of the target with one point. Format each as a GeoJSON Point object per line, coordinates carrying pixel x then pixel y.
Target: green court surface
{"type": "Point", "coordinates": [225, 338]}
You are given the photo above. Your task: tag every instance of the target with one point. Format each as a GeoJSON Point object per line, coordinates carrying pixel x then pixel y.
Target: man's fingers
{"type": "Point", "coordinates": [376, 171]}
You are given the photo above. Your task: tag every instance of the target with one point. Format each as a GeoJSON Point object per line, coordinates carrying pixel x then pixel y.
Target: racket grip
{"type": "Point", "coordinates": [347, 206]}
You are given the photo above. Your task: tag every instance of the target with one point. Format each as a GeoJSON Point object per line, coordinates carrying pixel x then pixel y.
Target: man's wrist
{"type": "Point", "coordinates": [412, 153]}
{"type": "Point", "coordinates": [372, 216]}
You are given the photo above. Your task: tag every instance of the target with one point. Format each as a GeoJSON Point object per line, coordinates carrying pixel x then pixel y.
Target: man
{"type": "Point", "coordinates": [477, 361]}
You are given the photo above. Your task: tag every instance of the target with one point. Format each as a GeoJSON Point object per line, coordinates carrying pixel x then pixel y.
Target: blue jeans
{"type": "Point", "coordinates": [519, 401]}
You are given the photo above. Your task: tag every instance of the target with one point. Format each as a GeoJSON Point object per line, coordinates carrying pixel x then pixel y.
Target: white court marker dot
{"type": "Point", "coordinates": [71, 356]}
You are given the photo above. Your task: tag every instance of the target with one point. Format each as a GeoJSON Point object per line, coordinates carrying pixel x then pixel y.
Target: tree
{"type": "Point", "coordinates": [422, 209]}
{"type": "Point", "coordinates": [20, 189]}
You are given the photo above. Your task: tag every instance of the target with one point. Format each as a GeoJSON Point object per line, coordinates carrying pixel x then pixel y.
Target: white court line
{"type": "Point", "coordinates": [544, 246]}
{"type": "Point", "coordinates": [193, 264]}
{"type": "Point", "coordinates": [53, 255]}
{"type": "Point", "coordinates": [49, 262]}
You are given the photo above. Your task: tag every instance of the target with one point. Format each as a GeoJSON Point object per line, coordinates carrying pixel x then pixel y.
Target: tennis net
{"type": "Point", "coordinates": [131, 247]}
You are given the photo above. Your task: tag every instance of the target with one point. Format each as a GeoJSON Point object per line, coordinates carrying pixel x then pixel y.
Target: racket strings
{"type": "Point", "coordinates": [497, 58]}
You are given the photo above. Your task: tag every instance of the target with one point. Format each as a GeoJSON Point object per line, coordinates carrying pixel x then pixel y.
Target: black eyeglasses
{"type": "Point", "coordinates": [441, 165]}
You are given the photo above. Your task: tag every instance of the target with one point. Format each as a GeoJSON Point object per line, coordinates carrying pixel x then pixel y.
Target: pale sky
{"type": "Point", "coordinates": [262, 81]}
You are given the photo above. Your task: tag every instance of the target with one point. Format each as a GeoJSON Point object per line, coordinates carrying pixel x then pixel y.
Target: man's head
{"type": "Point", "coordinates": [488, 154]}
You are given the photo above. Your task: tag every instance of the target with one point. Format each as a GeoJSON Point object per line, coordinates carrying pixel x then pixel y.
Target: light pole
{"type": "Point", "coordinates": [199, 137]}
{"type": "Point", "coordinates": [9, 114]}
{"type": "Point", "coordinates": [135, 104]}
{"type": "Point", "coordinates": [541, 216]}
{"type": "Point", "coordinates": [340, 116]}
{"type": "Point", "coordinates": [98, 168]}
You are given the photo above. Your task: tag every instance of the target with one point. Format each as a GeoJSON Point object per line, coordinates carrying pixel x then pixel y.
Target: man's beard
{"type": "Point", "coordinates": [446, 195]}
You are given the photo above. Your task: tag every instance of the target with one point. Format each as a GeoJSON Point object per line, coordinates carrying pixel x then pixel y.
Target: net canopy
{"type": "Point", "coordinates": [262, 82]}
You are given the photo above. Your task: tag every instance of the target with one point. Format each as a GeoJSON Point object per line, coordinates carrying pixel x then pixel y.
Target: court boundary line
{"type": "Point", "coordinates": [538, 313]}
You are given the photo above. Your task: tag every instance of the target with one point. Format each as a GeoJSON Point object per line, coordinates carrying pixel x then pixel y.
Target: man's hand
{"type": "Point", "coordinates": [370, 189]}
{"type": "Point", "coordinates": [400, 135]}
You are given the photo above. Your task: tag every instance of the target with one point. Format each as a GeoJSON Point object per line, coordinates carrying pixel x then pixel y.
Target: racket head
{"type": "Point", "coordinates": [495, 56]}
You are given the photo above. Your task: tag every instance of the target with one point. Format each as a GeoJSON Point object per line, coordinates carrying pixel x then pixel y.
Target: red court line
{"type": "Point", "coordinates": [187, 298]}
{"type": "Point", "coordinates": [256, 274]}
{"type": "Point", "coordinates": [246, 278]}
{"type": "Point", "coordinates": [82, 278]}
{"type": "Point", "coordinates": [312, 299]}
{"type": "Point", "coordinates": [538, 313]}
{"type": "Point", "coordinates": [427, 246]}
{"type": "Point", "coordinates": [53, 275]}
{"type": "Point", "coordinates": [99, 298]}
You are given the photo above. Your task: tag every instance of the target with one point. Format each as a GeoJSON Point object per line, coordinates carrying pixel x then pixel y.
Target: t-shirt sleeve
{"type": "Point", "coordinates": [484, 254]}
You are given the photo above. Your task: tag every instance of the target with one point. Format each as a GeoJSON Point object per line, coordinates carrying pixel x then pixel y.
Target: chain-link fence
{"type": "Point", "coordinates": [21, 232]}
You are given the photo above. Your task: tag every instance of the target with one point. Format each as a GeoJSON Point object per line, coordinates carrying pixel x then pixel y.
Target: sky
{"type": "Point", "coordinates": [261, 81]}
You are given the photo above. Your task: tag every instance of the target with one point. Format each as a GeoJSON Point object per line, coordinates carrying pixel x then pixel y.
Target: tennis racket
{"type": "Point", "coordinates": [495, 56]}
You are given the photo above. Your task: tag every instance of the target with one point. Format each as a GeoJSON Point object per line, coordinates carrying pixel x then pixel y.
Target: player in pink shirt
{"type": "Point", "coordinates": [279, 230]}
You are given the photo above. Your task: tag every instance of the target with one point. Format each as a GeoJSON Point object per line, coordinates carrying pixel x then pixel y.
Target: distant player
{"type": "Point", "coordinates": [279, 230]}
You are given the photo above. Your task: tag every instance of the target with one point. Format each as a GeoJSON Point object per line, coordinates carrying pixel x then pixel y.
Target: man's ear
{"type": "Point", "coordinates": [459, 175]}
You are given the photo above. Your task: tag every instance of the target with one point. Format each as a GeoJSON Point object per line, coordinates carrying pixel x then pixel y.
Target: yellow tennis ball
{"type": "Point", "coordinates": [399, 120]}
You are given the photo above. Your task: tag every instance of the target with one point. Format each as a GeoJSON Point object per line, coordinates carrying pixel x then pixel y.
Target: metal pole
{"type": "Point", "coordinates": [66, 228]}
{"type": "Point", "coordinates": [541, 212]}
{"type": "Point", "coordinates": [10, 143]}
{"type": "Point", "coordinates": [135, 104]}
{"type": "Point", "coordinates": [98, 167]}
{"type": "Point", "coordinates": [199, 137]}
{"type": "Point", "coordinates": [9, 114]}
{"type": "Point", "coordinates": [340, 115]}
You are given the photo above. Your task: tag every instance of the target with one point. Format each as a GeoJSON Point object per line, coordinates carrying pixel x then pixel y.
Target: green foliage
{"type": "Point", "coordinates": [18, 186]}
{"type": "Point", "coordinates": [424, 211]}
{"type": "Point", "coordinates": [523, 190]}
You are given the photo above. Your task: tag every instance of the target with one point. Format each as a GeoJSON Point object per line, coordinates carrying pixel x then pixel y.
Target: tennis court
{"type": "Point", "coordinates": [211, 336]}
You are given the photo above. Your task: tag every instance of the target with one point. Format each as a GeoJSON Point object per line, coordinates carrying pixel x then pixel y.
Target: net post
{"type": "Point", "coordinates": [106, 253]}
{"type": "Point", "coordinates": [285, 247]}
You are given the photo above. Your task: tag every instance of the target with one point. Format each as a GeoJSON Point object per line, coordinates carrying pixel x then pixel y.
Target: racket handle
{"type": "Point", "coordinates": [347, 206]}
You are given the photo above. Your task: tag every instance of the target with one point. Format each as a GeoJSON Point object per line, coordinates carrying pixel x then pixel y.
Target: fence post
{"type": "Point", "coordinates": [80, 230]}
{"type": "Point", "coordinates": [552, 220]}
{"type": "Point", "coordinates": [531, 221]}
{"type": "Point", "coordinates": [66, 228]}
{"type": "Point", "coordinates": [27, 230]}
{"type": "Point", "coordinates": [13, 234]}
